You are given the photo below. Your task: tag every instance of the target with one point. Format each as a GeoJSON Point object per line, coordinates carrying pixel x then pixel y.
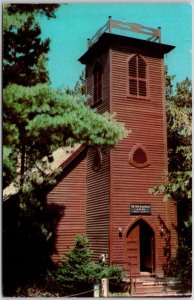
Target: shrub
{"type": "Point", "coordinates": [78, 272]}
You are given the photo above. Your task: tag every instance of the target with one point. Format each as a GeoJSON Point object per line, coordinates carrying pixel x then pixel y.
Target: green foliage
{"type": "Point", "coordinates": [79, 270]}
{"type": "Point", "coordinates": [179, 182]}
{"type": "Point", "coordinates": [181, 265]}
{"type": "Point", "coordinates": [24, 65]}
{"type": "Point", "coordinates": [37, 121]}
{"type": "Point", "coordinates": [46, 9]}
{"type": "Point", "coordinates": [114, 273]}
{"type": "Point", "coordinates": [42, 121]}
{"type": "Point", "coordinates": [9, 165]}
{"type": "Point", "coordinates": [80, 86]}
{"type": "Point", "coordinates": [179, 118]}
{"type": "Point", "coordinates": [23, 50]}
{"type": "Point", "coordinates": [77, 263]}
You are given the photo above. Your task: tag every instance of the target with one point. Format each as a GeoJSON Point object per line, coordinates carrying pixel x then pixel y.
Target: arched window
{"type": "Point", "coordinates": [137, 68]}
{"type": "Point", "coordinates": [97, 160]}
{"type": "Point", "coordinates": [138, 157]}
{"type": "Point", "coordinates": [97, 83]}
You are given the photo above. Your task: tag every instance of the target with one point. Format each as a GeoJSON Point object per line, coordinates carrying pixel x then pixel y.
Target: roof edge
{"type": "Point", "coordinates": [53, 174]}
{"type": "Point", "coordinates": [73, 156]}
{"type": "Point", "coordinates": [108, 39]}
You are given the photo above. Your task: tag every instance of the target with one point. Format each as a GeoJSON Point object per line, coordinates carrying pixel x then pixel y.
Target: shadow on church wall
{"type": "Point", "coordinates": [166, 235]}
{"type": "Point", "coordinates": [26, 245]}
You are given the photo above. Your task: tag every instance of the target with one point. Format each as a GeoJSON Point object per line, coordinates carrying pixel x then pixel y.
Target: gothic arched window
{"type": "Point", "coordinates": [137, 72]}
{"type": "Point", "coordinates": [138, 157]}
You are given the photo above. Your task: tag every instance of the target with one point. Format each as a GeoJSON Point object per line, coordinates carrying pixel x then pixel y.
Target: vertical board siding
{"type": "Point", "coordinates": [97, 209]}
{"type": "Point", "coordinates": [67, 202]}
{"type": "Point", "coordinates": [130, 185]}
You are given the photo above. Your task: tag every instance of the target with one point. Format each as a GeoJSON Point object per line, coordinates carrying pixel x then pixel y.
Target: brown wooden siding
{"type": "Point", "coordinates": [130, 185]}
{"type": "Point", "coordinates": [97, 212]}
{"type": "Point", "coordinates": [109, 195]}
{"type": "Point", "coordinates": [67, 203]}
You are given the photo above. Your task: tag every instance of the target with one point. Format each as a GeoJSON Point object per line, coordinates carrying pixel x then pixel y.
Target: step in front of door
{"type": "Point", "coordinates": [155, 287]}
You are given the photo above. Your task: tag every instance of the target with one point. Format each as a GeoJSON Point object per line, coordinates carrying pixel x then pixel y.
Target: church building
{"type": "Point", "coordinates": [105, 194]}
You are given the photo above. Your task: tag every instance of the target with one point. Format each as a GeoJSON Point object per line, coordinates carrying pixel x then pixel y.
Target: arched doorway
{"type": "Point", "coordinates": [140, 247]}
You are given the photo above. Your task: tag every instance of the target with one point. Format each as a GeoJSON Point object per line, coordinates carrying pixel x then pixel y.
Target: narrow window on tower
{"type": "Point", "coordinates": [137, 69]}
{"type": "Point", "coordinates": [97, 160]}
{"type": "Point", "coordinates": [97, 83]}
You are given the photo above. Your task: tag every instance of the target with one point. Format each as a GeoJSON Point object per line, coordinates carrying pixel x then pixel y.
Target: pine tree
{"type": "Point", "coordinates": [179, 112]}
{"type": "Point", "coordinates": [24, 64]}
{"type": "Point", "coordinates": [79, 272]}
{"type": "Point", "coordinates": [179, 185]}
{"type": "Point", "coordinates": [37, 120]}
{"type": "Point", "coordinates": [23, 49]}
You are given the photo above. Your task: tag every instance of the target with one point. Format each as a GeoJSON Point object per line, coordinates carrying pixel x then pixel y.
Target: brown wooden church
{"type": "Point", "coordinates": [105, 195]}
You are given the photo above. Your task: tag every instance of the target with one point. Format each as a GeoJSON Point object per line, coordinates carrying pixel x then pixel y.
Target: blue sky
{"type": "Point", "coordinates": [77, 22]}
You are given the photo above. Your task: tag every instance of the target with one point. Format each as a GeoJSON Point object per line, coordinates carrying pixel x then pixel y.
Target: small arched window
{"type": "Point", "coordinates": [97, 160]}
{"type": "Point", "coordinates": [137, 69]}
{"type": "Point", "coordinates": [138, 157]}
{"type": "Point", "coordinates": [97, 83]}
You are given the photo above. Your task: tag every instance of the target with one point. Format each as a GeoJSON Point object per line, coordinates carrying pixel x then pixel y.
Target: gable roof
{"type": "Point", "coordinates": [62, 158]}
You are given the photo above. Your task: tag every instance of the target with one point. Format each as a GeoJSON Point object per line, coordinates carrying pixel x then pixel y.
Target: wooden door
{"type": "Point", "coordinates": [133, 250]}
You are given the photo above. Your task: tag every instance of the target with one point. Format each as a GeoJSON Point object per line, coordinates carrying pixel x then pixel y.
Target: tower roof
{"type": "Point", "coordinates": [107, 40]}
{"type": "Point", "coordinates": [108, 36]}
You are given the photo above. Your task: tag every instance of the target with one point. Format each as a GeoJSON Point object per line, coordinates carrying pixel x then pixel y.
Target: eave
{"type": "Point", "coordinates": [107, 40]}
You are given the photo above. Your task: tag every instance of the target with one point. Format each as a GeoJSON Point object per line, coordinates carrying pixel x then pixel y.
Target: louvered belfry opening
{"type": "Point", "coordinates": [137, 76]}
{"type": "Point", "coordinates": [97, 83]}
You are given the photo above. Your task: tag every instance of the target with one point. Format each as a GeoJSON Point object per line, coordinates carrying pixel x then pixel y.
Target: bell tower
{"type": "Point", "coordinates": [124, 221]}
